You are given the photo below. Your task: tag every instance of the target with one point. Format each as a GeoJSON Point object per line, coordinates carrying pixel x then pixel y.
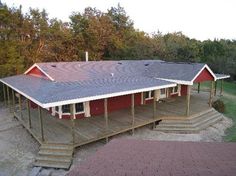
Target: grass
{"type": "Point", "coordinates": [229, 99]}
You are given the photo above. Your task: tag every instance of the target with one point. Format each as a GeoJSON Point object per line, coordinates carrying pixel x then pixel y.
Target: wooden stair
{"type": "Point", "coordinates": [193, 124]}
{"type": "Point", "coordinates": [55, 156]}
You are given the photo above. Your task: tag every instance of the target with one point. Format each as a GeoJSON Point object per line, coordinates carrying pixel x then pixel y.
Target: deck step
{"type": "Point", "coordinates": [56, 146]}
{"type": "Point", "coordinates": [57, 152]}
{"type": "Point", "coordinates": [50, 164]}
{"type": "Point", "coordinates": [190, 125]}
{"type": "Point", "coordinates": [55, 156]}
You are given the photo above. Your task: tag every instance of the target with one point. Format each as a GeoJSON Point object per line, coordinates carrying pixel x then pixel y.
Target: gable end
{"type": "Point", "coordinates": [36, 71]}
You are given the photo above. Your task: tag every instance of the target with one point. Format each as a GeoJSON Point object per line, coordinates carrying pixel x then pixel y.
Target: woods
{"type": "Point", "coordinates": [33, 37]}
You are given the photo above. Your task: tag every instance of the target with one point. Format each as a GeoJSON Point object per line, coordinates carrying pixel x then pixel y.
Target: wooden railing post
{"type": "Point", "coordinates": [211, 93]}
{"type": "Point", "coordinates": [29, 114]}
{"type": "Point", "coordinates": [13, 101]}
{"type": "Point", "coordinates": [221, 87]}
{"type": "Point", "coordinates": [106, 116]}
{"type": "Point", "coordinates": [8, 99]}
{"type": "Point", "coordinates": [20, 106]}
{"type": "Point", "coordinates": [155, 106]}
{"type": "Point", "coordinates": [198, 87]}
{"type": "Point", "coordinates": [4, 94]}
{"type": "Point", "coordinates": [188, 100]}
{"type": "Point", "coordinates": [72, 106]}
{"type": "Point", "coordinates": [41, 122]}
{"type": "Point", "coordinates": [215, 89]}
{"type": "Point", "coordinates": [132, 112]}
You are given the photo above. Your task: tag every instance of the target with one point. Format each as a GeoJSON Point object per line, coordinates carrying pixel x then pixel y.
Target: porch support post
{"type": "Point", "coordinates": [20, 106]}
{"type": "Point", "coordinates": [188, 100]}
{"type": "Point", "coordinates": [155, 106]}
{"type": "Point", "coordinates": [211, 93]}
{"type": "Point", "coordinates": [4, 94]}
{"type": "Point", "coordinates": [106, 116]}
{"type": "Point", "coordinates": [198, 87]}
{"type": "Point", "coordinates": [41, 122]}
{"type": "Point", "coordinates": [132, 112]}
{"type": "Point", "coordinates": [215, 90]}
{"type": "Point", "coordinates": [221, 87]}
{"type": "Point", "coordinates": [29, 114]}
{"type": "Point", "coordinates": [8, 98]}
{"type": "Point", "coordinates": [72, 110]}
{"type": "Point", "coordinates": [13, 100]}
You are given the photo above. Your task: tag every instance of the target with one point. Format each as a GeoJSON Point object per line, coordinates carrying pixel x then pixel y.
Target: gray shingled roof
{"type": "Point", "coordinates": [76, 80]}
{"type": "Point", "coordinates": [46, 91]}
{"type": "Point", "coordinates": [174, 71]}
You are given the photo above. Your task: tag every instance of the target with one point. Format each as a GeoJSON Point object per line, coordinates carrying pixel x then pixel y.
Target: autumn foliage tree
{"type": "Point", "coordinates": [33, 37]}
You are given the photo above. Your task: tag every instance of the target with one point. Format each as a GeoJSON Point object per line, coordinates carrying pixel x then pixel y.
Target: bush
{"type": "Point", "coordinates": [219, 106]}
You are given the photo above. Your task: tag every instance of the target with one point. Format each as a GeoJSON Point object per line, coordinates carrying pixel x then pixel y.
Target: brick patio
{"type": "Point", "coordinates": [129, 157]}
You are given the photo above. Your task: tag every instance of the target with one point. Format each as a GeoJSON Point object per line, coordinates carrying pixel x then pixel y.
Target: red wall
{"type": "Point", "coordinates": [113, 104]}
{"type": "Point", "coordinates": [205, 75]}
{"type": "Point", "coordinates": [36, 72]}
{"type": "Point", "coordinates": [33, 105]}
{"type": "Point", "coordinates": [77, 116]}
{"type": "Point", "coordinates": [184, 90]}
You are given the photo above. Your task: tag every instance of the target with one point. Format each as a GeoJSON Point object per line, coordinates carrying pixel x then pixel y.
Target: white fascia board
{"type": "Point", "coordinates": [208, 68]}
{"type": "Point", "coordinates": [81, 100]}
{"type": "Point", "coordinates": [25, 95]}
{"type": "Point", "coordinates": [177, 81]}
{"type": "Point", "coordinates": [222, 77]}
{"type": "Point", "coordinates": [35, 65]}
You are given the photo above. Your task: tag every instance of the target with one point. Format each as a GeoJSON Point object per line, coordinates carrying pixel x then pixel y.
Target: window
{"type": "Point", "coordinates": [163, 91]}
{"type": "Point", "coordinates": [149, 95]}
{"type": "Point", "coordinates": [174, 90]}
{"type": "Point", "coordinates": [57, 109]}
{"type": "Point", "coordinates": [79, 107]}
{"type": "Point", "coordinates": [66, 109]}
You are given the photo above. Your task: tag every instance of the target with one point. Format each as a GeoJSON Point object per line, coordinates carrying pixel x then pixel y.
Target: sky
{"type": "Point", "coordinates": [199, 19]}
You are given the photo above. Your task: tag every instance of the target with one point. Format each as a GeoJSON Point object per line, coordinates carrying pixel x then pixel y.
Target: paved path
{"type": "Point", "coordinates": [130, 157]}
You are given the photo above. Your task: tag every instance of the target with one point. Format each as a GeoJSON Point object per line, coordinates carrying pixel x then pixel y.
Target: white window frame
{"type": "Point", "coordinates": [149, 95]}
{"type": "Point", "coordinates": [60, 113]}
{"type": "Point", "coordinates": [163, 95]}
{"type": "Point", "coordinates": [173, 90]}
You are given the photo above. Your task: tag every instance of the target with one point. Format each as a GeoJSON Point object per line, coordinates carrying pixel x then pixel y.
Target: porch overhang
{"type": "Point", "coordinates": [221, 76]}
{"type": "Point", "coordinates": [88, 98]}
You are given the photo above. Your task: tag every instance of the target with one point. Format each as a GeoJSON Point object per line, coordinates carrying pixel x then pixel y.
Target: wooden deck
{"type": "Point", "coordinates": [93, 128]}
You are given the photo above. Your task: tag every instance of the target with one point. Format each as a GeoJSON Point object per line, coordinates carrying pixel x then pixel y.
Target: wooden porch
{"type": "Point", "coordinates": [86, 130]}
{"type": "Point", "coordinates": [94, 128]}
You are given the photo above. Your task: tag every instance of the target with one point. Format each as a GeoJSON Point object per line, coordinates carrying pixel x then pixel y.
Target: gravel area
{"type": "Point", "coordinates": [18, 148]}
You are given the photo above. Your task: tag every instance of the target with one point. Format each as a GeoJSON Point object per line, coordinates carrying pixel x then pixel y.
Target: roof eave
{"type": "Point", "coordinates": [85, 99]}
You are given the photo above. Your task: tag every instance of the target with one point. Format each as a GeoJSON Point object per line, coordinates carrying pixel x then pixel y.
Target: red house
{"type": "Point", "coordinates": [88, 91]}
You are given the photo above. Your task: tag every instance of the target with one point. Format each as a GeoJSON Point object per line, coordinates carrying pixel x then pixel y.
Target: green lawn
{"type": "Point", "coordinates": [229, 99]}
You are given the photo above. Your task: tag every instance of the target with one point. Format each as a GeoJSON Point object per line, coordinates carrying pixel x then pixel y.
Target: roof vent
{"type": "Point", "coordinates": [53, 66]}
{"type": "Point", "coordinates": [119, 63]}
{"type": "Point", "coordinates": [146, 65]}
{"type": "Point", "coordinates": [112, 74]}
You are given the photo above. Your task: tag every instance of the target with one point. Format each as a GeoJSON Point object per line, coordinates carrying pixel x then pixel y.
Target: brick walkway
{"type": "Point", "coordinates": [129, 157]}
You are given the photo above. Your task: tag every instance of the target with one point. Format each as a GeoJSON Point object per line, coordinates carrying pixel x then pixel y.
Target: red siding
{"type": "Point", "coordinates": [114, 104]}
{"type": "Point", "coordinates": [148, 101]}
{"type": "Point", "coordinates": [96, 107]}
{"type": "Point", "coordinates": [77, 116]}
{"type": "Point", "coordinates": [36, 72]}
{"type": "Point", "coordinates": [205, 75]}
{"type": "Point", "coordinates": [33, 105]}
{"type": "Point", "coordinates": [183, 90]}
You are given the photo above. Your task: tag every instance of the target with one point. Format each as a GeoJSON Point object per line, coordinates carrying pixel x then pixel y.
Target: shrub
{"type": "Point", "coordinates": [219, 106]}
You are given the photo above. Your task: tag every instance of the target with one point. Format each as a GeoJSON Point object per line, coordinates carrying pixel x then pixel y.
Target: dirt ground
{"type": "Point", "coordinates": [18, 148]}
